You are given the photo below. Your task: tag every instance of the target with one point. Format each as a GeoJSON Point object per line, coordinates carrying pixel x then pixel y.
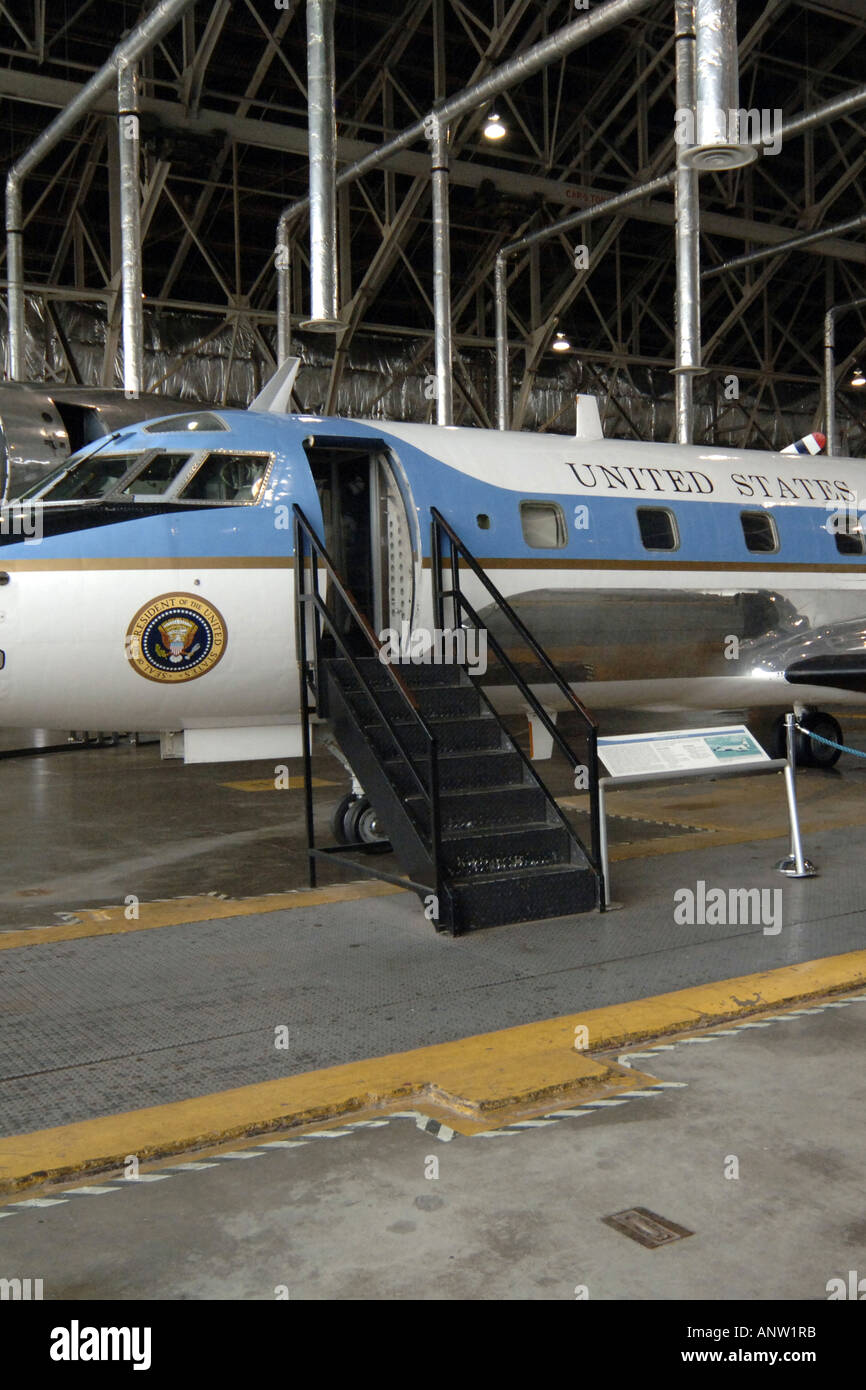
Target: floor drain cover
{"type": "Point", "coordinates": [646, 1227]}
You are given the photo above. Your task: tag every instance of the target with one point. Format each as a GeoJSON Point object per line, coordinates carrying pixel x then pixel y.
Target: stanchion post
{"type": "Point", "coordinates": [794, 865]}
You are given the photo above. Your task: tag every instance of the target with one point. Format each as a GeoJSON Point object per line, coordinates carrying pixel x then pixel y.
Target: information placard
{"type": "Point", "coordinates": [681, 750]}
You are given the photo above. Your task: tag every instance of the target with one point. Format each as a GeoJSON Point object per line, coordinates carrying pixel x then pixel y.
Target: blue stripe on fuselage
{"type": "Point", "coordinates": [709, 530]}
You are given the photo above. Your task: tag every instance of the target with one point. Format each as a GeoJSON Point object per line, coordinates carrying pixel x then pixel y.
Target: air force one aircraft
{"type": "Point", "coordinates": [148, 584]}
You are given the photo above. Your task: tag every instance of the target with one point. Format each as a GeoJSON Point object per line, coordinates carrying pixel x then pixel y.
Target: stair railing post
{"type": "Point", "coordinates": [436, 829]}
{"type": "Point", "coordinates": [456, 605]}
{"type": "Point", "coordinates": [436, 567]}
{"type": "Point", "coordinates": [303, 679]}
{"type": "Point", "coordinates": [595, 817]}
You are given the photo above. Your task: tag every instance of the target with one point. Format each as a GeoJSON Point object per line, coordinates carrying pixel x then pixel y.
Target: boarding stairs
{"type": "Point", "coordinates": [477, 834]}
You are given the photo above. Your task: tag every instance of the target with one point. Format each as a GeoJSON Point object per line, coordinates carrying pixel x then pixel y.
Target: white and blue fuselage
{"type": "Point", "coordinates": [656, 576]}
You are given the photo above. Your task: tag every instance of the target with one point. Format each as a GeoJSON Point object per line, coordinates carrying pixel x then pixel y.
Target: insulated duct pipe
{"type": "Point", "coordinates": [687, 304]}
{"type": "Point", "coordinates": [717, 143]}
{"type": "Point", "coordinates": [509, 74]}
{"type": "Point", "coordinates": [441, 272]}
{"type": "Point", "coordinates": [143, 36]}
{"type": "Point", "coordinates": [130, 226]}
{"type": "Point", "coordinates": [565, 224]}
{"type": "Point", "coordinates": [322, 125]}
{"type": "Point", "coordinates": [853, 224]}
{"type": "Point", "coordinates": [830, 370]}
{"type": "Point", "coordinates": [830, 111]}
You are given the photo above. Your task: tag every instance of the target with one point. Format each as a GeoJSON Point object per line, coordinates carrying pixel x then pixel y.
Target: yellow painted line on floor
{"type": "Point", "coordinates": [174, 912]}
{"type": "Point", "coordinates": [276, 784]}
{"type": "Point", "coordinates": [478, 1081]}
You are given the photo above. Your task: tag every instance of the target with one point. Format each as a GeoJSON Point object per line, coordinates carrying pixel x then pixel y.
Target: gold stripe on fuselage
{"type": "Point", "coordinates": [276, 562]}
{"type": "Point", "coordinates": [154, 562]}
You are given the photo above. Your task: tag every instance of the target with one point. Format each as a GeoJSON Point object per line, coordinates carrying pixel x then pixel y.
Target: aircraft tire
{"type": "Point", "coordinates": [339, 820]}
{"type": "Point", "coordinates": [362, 826]}
{"type": "Point", "coordinates": [819, 755]}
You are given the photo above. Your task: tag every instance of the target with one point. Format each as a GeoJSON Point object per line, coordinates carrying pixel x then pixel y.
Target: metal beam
{"type": "Point", "coordinates": [148, 32]}
{"type": "Point", "coordinates": [293, 139]}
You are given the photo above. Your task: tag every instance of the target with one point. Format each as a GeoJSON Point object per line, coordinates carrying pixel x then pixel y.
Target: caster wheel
{"type": "Point", "coordinates": [819, 755]}
{"type": "Point", "coordinates": [362, 826]}
{"type": "Point", "coordinates": [339, 820]}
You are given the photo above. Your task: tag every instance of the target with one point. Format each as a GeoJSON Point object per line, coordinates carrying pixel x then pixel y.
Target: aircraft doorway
{"type": "Point", "coordinates": [366, 529]}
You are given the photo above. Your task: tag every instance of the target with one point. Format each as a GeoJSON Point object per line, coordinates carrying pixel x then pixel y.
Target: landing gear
{"type": "Point", "coordinates": [355, 822]}
{"type": "Point", "coordinates": [340, 817]}
{"type": "Point", "coordinates": [824, 724]}
{"type": "Point", "coordinates": [363, 826]}
{"type": "Point", "coordinates": [809, 752]}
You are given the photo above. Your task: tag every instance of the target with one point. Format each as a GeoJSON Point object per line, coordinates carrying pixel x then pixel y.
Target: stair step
{"type": "Point", "coordinates": [507, 851]}
{"type": "Point", "coordinates": [496, 767]}
{"type": "Point", "coordinates": [410, 673]}
{"type": "Point", "coordinates": [506, 854]}
{"type": "Point", "coordinates": [477, 810]}
{"type": "Point", "coordinates": [432, 701]}
{"type": "Point", "coordinates": [452, 736]}
{"type": "Point", "coordinates": [526, 896]}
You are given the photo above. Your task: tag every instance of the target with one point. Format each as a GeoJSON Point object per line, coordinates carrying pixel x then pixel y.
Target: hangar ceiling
{"type": "Point", "coordinates": [224, 137]}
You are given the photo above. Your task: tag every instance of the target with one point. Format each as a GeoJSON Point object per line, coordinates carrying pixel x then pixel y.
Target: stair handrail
{"type": "Point", "coordinates": [461, 603]}
{"type": "Point", "coordinates": [306, 540]}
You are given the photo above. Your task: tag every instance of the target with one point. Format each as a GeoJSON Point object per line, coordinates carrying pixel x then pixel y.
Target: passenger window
{"type": "Point", "coordinates": [658, 528]}
{"type": "Point", "coordinates": [759, 531]}
{"type": "Point", "coordinates": [543, 525]}
{"type": "Point", "coordinates": [227, 478]}
{"type": "Point", "coordinates": [846, 528]}
{"type": "Point", "coordinates": [157, 477]}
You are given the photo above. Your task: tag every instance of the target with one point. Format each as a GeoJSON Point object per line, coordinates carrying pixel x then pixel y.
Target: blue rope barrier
{"type": "Point", "coordinates": [829, 742]}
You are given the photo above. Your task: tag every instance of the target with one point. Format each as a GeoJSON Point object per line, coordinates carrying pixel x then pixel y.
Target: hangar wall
{"type": "Point", "coordinates": [388, 378]}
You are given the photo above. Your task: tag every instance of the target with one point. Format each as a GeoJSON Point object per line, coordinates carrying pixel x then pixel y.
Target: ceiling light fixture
{"type": "Point", "coordinates": [494, 129]}
{"type": "Point", "coordinates": [858, 379]}
{"type": "Point", "coordinates": [561, 343]}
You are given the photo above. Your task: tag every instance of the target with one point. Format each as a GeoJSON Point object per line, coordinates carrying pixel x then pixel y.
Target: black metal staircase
{"type": "Point", "coordinates": [478, 835]}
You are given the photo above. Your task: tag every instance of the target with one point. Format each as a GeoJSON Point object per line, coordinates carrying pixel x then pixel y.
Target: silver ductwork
{"type": "Point", "coordinates": [852, 224]}
{"type": "Point", "coordinates": [509, 74]}
{"type": "Point", "coordinates": [830, 381]}
{"type": "Point", "coordinates": [322, 127]}
{"type": "Point", "coordinates": [830, 371]}
{"type": "Point", "coordinates": [687, 304]}
{"type": "Point", "coordinates": [441, 273]}
{"type": "Point", "coordinates": [152, 28]}
{"type": "Point", "coordinates": [718, 142]}
{"type": "Point", "coordinates": [500, 302]}
{"type": "Point", "coordinates": [130, 226]}
{"type": "Point", "coordinates": [283, 259]}
{"type": "Point", "coordinates": [574, 219]}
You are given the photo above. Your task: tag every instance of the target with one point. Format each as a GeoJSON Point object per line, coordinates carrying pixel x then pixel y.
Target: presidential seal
{"type": "Point", "coordinates": [176, 637]}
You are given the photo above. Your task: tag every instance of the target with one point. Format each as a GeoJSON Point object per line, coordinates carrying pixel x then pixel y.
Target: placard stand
{"type": "Point", "coordinates": [794, 865]}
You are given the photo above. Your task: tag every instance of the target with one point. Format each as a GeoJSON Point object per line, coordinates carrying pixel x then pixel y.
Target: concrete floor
{"type": "Point", "coordinates": [359, 1215]}
{"type": "Point", "coordinates": [106, 1024]}
{"type": "Point", "coordinates": [87, 826]}
{"type": "Point", "coordinates": [103, 1024]}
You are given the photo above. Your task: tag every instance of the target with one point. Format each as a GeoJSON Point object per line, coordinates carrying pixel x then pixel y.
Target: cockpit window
{"type": "Point", "coordinates": [227, 478]}
{"type": "Point", "coordinates": [91, 477]}
{"type": "Point", "coordinates": [156, 477]}
{"type": "Point", "coordinates": [203, 420]}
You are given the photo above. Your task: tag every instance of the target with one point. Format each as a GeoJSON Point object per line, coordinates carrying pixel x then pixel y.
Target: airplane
{"type": "Point", "coordinates": [153, 590]}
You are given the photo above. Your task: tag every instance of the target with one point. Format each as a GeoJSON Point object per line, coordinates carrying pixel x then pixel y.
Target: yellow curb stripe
{"type": "Point", "coordinates": [111, 921]}
{"type": "Point", "coordinates": [478, 1079]}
